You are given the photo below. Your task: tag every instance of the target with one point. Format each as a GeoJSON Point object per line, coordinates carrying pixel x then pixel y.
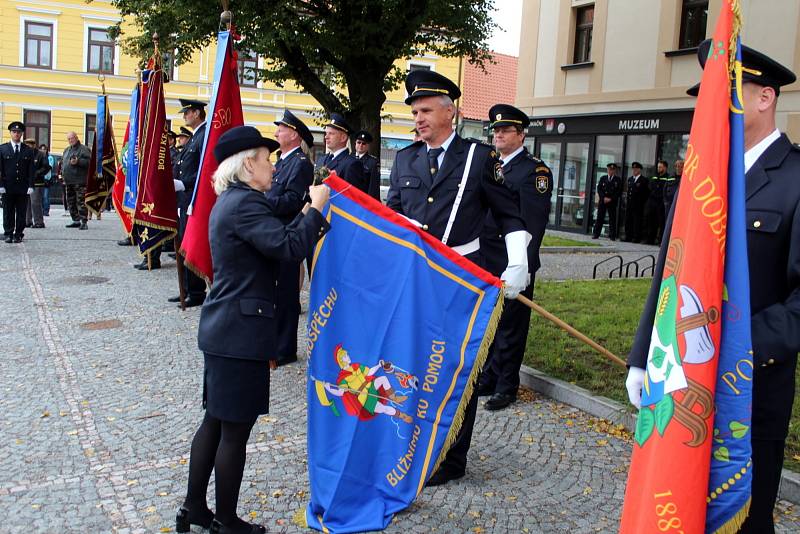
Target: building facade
{"type": "Point", "coordinates": [54, 51]}
{"type": "Point", "coordinates": [605, 81]}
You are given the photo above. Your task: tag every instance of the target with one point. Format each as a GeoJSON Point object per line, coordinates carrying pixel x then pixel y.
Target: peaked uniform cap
{"type": "Point", "coordinates": [506, 115]}
{"type": "Point", "coordinates": [428, 83]}
{"type": "Point", "coordinates": [297, 125]}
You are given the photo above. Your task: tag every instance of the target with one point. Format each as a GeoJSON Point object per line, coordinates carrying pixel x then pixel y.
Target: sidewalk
{"type": "Point", "coordinates": [101, 397]}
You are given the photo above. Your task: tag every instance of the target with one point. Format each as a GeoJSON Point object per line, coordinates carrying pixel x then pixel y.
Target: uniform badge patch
{"type": "Point", "coordinates": [498, 173]}
{"type": "Point", "coordinates": [541, 184]}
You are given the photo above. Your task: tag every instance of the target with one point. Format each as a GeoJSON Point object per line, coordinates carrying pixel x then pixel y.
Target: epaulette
{"type": "Point", "coordinates": [479, 142]}
{"type": "Point", "coordinates": [415, 144]}
{"type": "Point", "coordinates": [533, 158]}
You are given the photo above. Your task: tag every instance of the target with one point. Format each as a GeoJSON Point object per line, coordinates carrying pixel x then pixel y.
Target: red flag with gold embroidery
{"type": "Point", "coordinates": [225, 113]}
{"type": "Point", "coordinates": [118, 191]}
{"type": "Point", "coordinates": [155, 219]}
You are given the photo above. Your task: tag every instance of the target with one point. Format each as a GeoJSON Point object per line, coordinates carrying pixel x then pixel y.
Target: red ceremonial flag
{"type": "Point", "coordinates": [225, 113]}
{"type": "Point", "coordinates": [155, 219]}
{"type": "Point", "coordinates": [668, 482]}
{"type": "Point", "coordinates": [118, 191]}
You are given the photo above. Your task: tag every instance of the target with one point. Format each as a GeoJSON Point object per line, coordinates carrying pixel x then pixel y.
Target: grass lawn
{"type": "Point", "coordinates": [607, 311]}
{"type": "Point", "coordinates": [554, 241]}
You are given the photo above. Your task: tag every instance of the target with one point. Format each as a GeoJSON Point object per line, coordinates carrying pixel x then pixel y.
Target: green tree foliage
{"type": "Point", "coordinates": [341, 52]}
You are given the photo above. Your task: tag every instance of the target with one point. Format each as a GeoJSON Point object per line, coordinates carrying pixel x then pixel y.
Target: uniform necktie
{"type": "Point", "coordinates": [433, 160]}
{"type": "Point", "coordinates": [16, 150]}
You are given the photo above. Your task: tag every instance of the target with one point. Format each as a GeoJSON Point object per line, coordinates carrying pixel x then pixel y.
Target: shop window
{"type": "Point", "coordinates": [584, 21]}
{"type": "Point", "coordinates": [100, 54]}
{"type": "Point", "coordinates": [641, 148]}
{"type": "Point", "coordinates": [38, 45]}
{"type": "Point", "coordinates": [694, 16]}
{"type": "Point", "coordinates": [672, 147]}
{"type": "Point", "coordinates": [37, 126]}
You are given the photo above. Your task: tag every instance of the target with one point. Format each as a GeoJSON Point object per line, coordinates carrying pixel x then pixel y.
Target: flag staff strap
{"type": "Point", "coordinates": [571, 330]}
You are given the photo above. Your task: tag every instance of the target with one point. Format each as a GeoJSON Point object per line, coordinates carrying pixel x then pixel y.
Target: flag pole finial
{"type": "Point", "coordinates": [226, 18]}
{"type": "Point", "coordinates": [155, 41]}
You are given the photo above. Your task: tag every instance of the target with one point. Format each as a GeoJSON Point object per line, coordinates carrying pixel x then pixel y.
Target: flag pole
{"type": "Point", "coordinates": [571, 330]}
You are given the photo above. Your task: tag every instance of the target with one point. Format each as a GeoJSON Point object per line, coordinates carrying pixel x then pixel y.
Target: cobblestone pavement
{"type": "Point", "coordinates": [100, 397]}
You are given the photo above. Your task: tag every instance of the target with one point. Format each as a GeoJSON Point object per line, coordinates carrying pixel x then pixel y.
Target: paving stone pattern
{"type": "Point", "coordinates": [100, 397]}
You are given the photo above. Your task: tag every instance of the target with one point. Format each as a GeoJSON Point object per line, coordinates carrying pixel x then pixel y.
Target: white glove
{"type": "Point", "coordinates": [178, 185]}
{"type": "Point", "coordinates": [516, 274]}
{"type": "Point", "coordinates": [30, 191]}
{"type": "Point", "coordinates": [2, 190]}
{"type": "Point", "coordinates": [634, 384]}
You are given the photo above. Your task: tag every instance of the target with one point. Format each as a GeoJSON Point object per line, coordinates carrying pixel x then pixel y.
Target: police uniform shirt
{"type": "Point", "coordinates": [532, 180]}
{"type": "Point", "coordinates": [293, 175]}
{"type": "Point", "coordinates": [429, 200]}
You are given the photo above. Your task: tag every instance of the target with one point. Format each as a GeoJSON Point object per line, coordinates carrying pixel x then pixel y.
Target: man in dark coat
{"type": "Point", "coordinates": [609, 189]}
{"type": "Point", "coordinates": [339, 158]}
{"type": "Point", "coordinates": [635, 199]}
{"type": "Point", "coordinates": [671, 185]}
{"type": "Point", "coordinates": [532, 180]}
{"type": "Point", "coordinates": [74, 170]}
{"type": "Point", "coordinates": [372, 165]}
{"type": "Point", "coordinates": [772, 165]}
{"type": "Point", "coordinates": [194, 113]}
{"type": "Point", "coordinates": [425, 181]}
{"type": "Point", "coordinates": [34, 216]}
{"type": "Point", "coordinates": [17, 170]}
{"type": "Point", "coordinates": [654, 207]}
{"type": "Point", "coordinates": [293, 175]}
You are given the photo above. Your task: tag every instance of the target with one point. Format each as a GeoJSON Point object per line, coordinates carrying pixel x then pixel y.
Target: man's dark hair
{"type": "Point", "coordinates": [664, 162]}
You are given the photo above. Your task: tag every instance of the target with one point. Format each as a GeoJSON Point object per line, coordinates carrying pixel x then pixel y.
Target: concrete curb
{"type": "Point", "coordinates": [617, 413]}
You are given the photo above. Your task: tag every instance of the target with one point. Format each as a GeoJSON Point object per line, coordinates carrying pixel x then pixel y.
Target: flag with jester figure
{"type": "Point", "coordinates": [691, 466]}
{"type": "Point", "coordinates": [155, 219]}
{"type": "Point", "coordinates": [399, 327]}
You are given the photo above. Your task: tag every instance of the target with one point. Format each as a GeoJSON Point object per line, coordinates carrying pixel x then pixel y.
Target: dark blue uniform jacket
{"type": "Point", "coordinates": [247, 243]}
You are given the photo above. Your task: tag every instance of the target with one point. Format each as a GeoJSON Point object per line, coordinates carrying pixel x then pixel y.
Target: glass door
{"type": "Point", "coordinates": [569, 162]}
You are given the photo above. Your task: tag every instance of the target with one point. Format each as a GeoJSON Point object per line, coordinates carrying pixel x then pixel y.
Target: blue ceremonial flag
{"type": "Point", "coordinates": [130, 158]}
{"type": "Point", "coordinates": [731, 468]}
{"type": "Point", "coordinates": [399, 327]}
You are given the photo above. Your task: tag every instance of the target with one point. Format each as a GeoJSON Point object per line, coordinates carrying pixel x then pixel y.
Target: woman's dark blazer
{"type": "Point", "coordinates": [247, 242]}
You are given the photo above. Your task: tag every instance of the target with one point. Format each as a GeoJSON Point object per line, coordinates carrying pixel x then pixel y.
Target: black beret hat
{"type": "Point", "coordinates": [756, 67]}
{"type": "Point", "coordinates": [338, 122]}
{"type": "Point", "coordinates": [184, 131]}
{"type": "Point", "coordinates": [241, 138]}
{"type": "Point", "coordinates": [428, 83]}
{"type": "Point", "coordinates": [16, 125]}
{"type": "Point", "coordinates": [188, 104]}
{"type": "Point", "coordinates": [363, 135]}
{"type": "Point", "coordinates": [636, 165]}
{"type": "Point", "coordinates": [505, 115]}
{"type": "Point", "coordinates": [296, 124]}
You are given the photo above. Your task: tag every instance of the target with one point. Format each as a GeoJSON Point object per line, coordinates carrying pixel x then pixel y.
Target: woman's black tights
{"type": "Point", "coordinates": [218, 446]}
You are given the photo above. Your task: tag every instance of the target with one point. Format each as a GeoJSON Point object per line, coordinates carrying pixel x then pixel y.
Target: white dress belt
{"type": "Point", "coordinates": [468, 248]}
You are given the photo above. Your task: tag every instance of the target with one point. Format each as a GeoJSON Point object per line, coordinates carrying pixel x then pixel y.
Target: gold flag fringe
{"type": "Point", "coordinates": [733, 524]}
{"type": "Point", "coordinates": [483, 353]}
{"type": "Point", "coordinates": [171, 235]}
{"type": "Point", "coordinates": [736, 9]}
{"type": "Point", "coordinates": [194, 268]}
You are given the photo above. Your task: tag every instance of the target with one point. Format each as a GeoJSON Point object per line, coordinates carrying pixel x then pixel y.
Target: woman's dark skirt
{"type": "Point", "coordinates": [235, 390]}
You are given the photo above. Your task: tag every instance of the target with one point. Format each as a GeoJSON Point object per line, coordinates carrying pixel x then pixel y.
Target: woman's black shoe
{"type": "Point", "coordinates": [241, 528]}
{"type": "Point", "coordinates": [184, 519]}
